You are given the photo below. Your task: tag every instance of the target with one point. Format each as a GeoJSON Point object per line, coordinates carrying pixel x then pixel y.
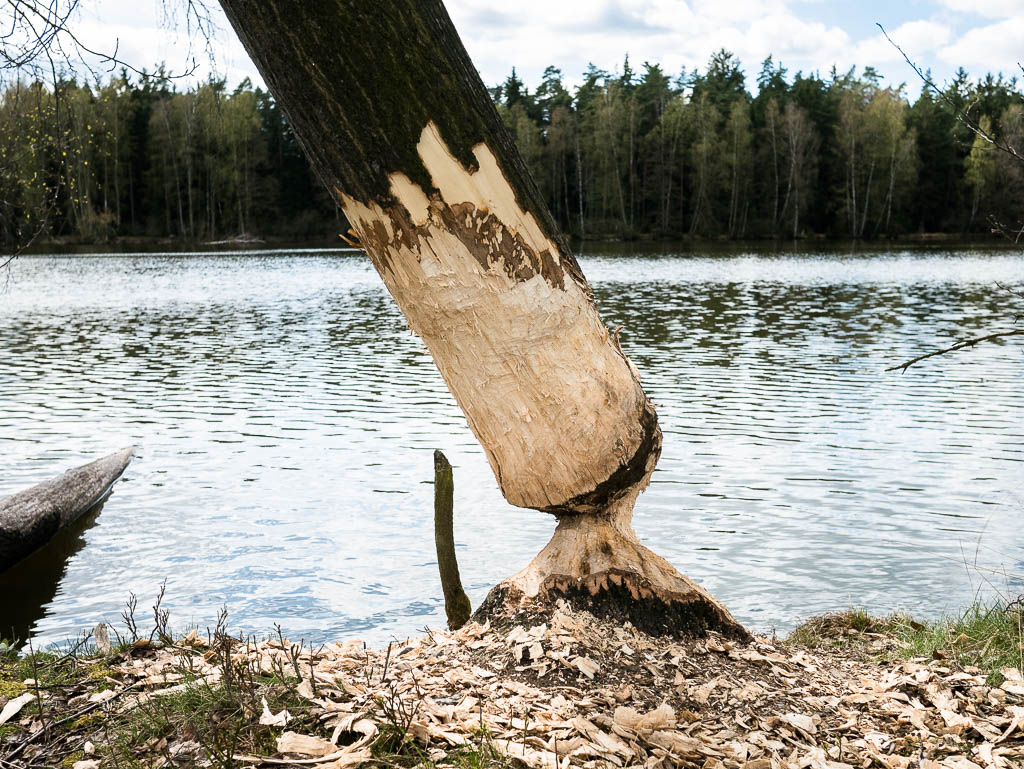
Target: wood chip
{"type": "Point", "coordinates": [662, 718]}
{"type": "Point", "coordinates": [274, 719]}
{"type": "Point", "coordinates": [579, 692]}
{"type": "Point", "coordinates": [532, 757]}
{"type": "Point", "coordinates": [586, 666]}
{"type": "Point", "coordinates": [304, 745]}
{"type": "Point", "coordinates": [803, 723]}
{"type": "Point", "coordinates": [12, 708]}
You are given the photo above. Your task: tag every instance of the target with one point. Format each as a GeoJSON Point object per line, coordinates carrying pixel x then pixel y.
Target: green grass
{"type": "Point", "coordinates": [48, 669]}
{"type": "Point", "coordinates": [393, 748]}
{"type": "Point", "coordinates": [483, 757]}
{"type": "Point", "coordinates": [222, 717]}
{"type": "Point", "coordinates": [853, 628]}
{"type": "Point", "coordinates": [988, 637]}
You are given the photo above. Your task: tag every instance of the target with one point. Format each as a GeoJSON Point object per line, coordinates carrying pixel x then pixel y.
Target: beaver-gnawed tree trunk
{"type": "Point", "coordinates": [395, 119]}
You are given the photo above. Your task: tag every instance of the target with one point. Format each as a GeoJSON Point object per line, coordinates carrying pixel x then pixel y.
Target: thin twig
{"type": "Point", "coordinates": [87, 709]}
{"type": "Point", "coordinates": [45, 24]}
{"type": "Point", "coordinates": [962, 116]}
{"type": "Point", "coordinates": [958, 346]}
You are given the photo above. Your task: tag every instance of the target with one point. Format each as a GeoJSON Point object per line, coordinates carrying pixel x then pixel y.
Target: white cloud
{"type": "Point", "coordinates": [532, 34]}
{"type": "Point", "coordinates": [991, 48]}
{"type": "Point", "coordinates": [919, 40]}
{"type": "Point", "coordinates": [145, 38]}
{"type": "Point", "coordinates": [673, 33]}
{"type": "Point", "coordinates": [789, 39]}
{"type": "Point", "coordinates": [684, 34]}
{"type": "Point", "coordinates": [991, 9]}
{"type": "Point", "coordinates": [737, 11]}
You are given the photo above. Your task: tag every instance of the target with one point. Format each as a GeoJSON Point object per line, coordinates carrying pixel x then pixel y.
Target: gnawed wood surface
{"type": "Point", "coordinates": [30, 518]}
{"type": "Point", "coordinates": [395, 120]}
{"type": "Point", "coordinates": [511, 325]}
{"type": "Point", "coordinates": [596, 563]}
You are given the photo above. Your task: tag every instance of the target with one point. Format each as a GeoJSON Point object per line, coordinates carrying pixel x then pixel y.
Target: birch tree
{"type": "Point", "coordinates": [739, 141]}
{"type": "Point", "coordinates": [980, 167]}
{"type": "Point", "coordinates": [800, 144]}
{"type": "Point", "coordinates": [705, 160]}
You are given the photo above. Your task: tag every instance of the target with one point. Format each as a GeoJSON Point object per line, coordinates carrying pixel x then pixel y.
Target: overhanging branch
{"type": "Point", "coordinates": [958, 346]}
{"type": "Point", "coordinates": [960, 114]}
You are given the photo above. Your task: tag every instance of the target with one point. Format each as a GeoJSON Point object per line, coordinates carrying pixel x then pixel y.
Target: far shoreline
{"type": "Point", "coordinates": [817, 243]}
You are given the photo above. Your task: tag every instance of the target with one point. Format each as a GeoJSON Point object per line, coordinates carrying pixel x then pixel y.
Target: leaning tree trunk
{"type": "Point", "coordinates": [396, 121]}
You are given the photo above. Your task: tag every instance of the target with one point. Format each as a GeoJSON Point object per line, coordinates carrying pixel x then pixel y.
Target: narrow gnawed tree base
{"type": "Point", "coordinates": [596, 563]}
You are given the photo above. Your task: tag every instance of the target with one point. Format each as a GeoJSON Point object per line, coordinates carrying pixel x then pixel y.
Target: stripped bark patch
{"type": "Point", "coordinates": [512, 325]}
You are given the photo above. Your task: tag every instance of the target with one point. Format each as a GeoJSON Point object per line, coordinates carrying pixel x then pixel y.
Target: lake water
{"type": "Point", "coordinates": [286, 419]}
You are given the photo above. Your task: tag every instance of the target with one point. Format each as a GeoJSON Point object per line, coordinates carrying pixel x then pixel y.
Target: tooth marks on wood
{"type": "Point", "coordinates": [633, 472]}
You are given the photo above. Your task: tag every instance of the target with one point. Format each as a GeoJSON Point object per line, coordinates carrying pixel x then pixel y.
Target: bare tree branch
{"type": "Point", "coordinates": [977, 130]}
{"type": "Point", "coordinates": [960, 114]}
{"type": "Point", "coordinates": [41, 28]}
{"type": "Point", "coordinates": [958, 346]}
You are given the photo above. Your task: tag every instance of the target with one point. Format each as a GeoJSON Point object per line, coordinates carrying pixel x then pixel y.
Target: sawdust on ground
{"type": "Point", "coordinates": [566, 690]}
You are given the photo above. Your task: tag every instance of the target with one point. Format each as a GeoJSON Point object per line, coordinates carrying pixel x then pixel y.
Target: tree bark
{"type": "Point", "coordinates": [30, 518]}
{"type": "Point", "coordinates": [396, 121]}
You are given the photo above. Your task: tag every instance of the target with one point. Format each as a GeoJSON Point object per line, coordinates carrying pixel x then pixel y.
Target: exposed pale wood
{"type": "Point", "coordinates": [30, 518]}
{"type": "Point", "coordinates": [395, 119]}
{"type": "Point", "coordinates": [456, 603]}
{"type": "Point", "coordinates": [545, 387]}
{"type": "Point", "coordinates": [596, 562]}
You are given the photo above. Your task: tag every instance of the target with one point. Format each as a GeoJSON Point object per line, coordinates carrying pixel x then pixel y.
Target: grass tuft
{"type": "Point", "coordinates": [988, 637]}
{"type": "Point", "coordinates": [844, 629]}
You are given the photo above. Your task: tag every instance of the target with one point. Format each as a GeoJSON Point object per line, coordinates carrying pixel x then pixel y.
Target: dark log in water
{"type": "Point", "coordinates": [31, 518]}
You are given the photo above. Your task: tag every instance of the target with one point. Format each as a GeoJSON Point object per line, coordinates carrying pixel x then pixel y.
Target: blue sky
{"type": "Point", "coordinates": [808, 35]}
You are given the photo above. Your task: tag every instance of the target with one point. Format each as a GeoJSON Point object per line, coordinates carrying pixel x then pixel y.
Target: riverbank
{"type": "Point", "coordinates": [128, 244]}
{"type": "Point", "coordinates": [555, 691]}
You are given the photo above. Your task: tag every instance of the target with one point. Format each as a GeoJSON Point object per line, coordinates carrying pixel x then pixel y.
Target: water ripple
{"type": "Point", "coordinates": [286, 418]}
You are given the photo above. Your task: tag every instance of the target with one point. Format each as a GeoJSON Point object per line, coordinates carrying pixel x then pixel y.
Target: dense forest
{"type": "Point", "coordinates": [624, 154]}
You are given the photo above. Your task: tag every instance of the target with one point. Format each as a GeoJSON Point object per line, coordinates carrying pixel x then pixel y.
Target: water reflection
{"type": "Point", "coordinates": [286, 419]}
{"type": "Point", "coordinates": [34, 580]}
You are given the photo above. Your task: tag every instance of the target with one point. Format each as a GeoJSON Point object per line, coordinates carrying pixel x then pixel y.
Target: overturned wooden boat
{"type": "Point", "coordinates": [30, 518]}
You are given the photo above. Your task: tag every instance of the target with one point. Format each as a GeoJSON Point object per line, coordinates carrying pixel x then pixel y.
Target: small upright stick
{"type": "Point", "coordinates": [456, 602]}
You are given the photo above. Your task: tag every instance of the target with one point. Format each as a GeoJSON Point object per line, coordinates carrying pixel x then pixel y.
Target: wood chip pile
{"type": "Point", "coordinates": [570, 690]}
